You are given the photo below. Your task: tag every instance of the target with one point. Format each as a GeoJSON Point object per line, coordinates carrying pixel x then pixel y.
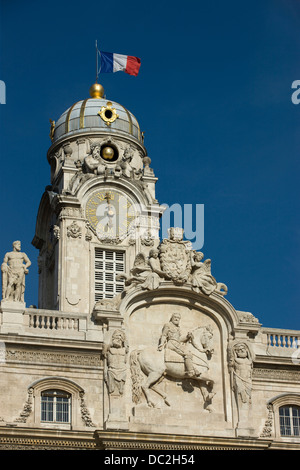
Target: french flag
{"type": "Point", "coordinates": [111, 62]}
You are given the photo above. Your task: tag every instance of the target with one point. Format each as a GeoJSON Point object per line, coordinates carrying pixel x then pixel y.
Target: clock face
{"type": "Point", "coordinates": [110, 213]}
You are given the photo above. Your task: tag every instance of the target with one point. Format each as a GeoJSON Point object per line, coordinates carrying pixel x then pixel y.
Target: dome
{"type": "Point", "coordinates": [96, 114]}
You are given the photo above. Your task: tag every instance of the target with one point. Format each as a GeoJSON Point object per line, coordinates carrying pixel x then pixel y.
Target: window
{"type": "Point", "coordinates": [108, 264]}
{"type": "Point", "coordinates": [289, 419]}
{"type": "Point", "coordinates": [55, 406]}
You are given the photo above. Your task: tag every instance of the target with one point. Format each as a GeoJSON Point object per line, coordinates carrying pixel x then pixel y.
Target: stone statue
{"type": "Point", "coordinates": [156, 275]}
{"type": "Point", "coordinates": [171, 338]}
{"type": "Point", "coordinates": [111, 305]}
{"type": "Point", "coordinates": [126, 166]}
{"type": "Point", "coordinates": [78, 178]}
{"type": "Point", "coordinates": [146, 274]}
{"type": "Point", "coordinates": [154, 263]}
{"type": "Point", "coordinates": [201, 277]}
{"type": "Point", "coordinates": [52, 128]}
{"type": "Point", "coordinates": [115, 356]}
{"type": "Point", "coordinates": [14, 268]}
{"type": "Point", "coordinates": [138, 273]}
{"type": "Point", "coordinates": [93, 162]}
{"type": "Point", "coordinates": [174, 261]}
{"type": "Point", "coordinates": [240, 363]}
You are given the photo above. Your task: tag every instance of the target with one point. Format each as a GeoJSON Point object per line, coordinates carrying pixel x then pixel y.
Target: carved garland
{"type": "Point", "coordinates": [85, 414]}
{"type": "Point", "coordinates": [268, 427]}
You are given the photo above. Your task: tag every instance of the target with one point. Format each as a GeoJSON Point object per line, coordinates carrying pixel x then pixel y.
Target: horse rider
{"type": "Point", "coordinates": [171, 338]}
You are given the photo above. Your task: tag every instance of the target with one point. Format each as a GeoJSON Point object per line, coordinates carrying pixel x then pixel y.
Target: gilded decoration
{"type": "Point", "coordinates": [108, 114]}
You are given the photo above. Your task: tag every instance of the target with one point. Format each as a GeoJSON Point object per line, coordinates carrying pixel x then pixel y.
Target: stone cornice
{"type": "Point", "coordinates": [142, 441]}
{"type": "Point", "coordinates": [35, 439]}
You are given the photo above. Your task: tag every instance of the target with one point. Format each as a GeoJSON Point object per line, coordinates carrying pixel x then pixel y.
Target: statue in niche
{"type": "Point", "coordinates": [14, 268]}
{"type": "Point", "coordinates": [240, 362]}
{"type": "Point", "coordinates": [177, 356]}
{"type": "Point", "coordinates": [115, 359]}
{"type": "Point", "coordinates": [201, 278]}
{"type": "Point", "coordinates": [93, 162]}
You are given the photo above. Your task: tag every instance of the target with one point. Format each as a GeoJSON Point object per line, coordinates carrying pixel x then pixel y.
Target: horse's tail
{"type": "Point", "coordinates": [135, 376]}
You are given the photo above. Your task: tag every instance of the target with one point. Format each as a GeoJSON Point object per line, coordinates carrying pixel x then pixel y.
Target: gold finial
{"type": "Point", "coordinates": [97, 91]}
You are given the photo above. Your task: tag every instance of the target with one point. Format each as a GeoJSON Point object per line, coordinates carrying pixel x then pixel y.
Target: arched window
{"type": "Point", "coordinates": [289, 420]}
{"type": "Point", "coordinates": [286, 412]}
{"type": "Point", "coordinates": [58, 403]}
{"type": "Point", "coordinates": [55, 406]}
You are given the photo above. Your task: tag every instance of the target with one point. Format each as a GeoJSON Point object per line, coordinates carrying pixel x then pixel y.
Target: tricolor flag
{"type": "Point", "coordinates": [111, 62]}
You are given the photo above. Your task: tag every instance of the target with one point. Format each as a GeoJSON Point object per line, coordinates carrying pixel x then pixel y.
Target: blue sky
{"type": "Point", "coordinates": [213, 97]}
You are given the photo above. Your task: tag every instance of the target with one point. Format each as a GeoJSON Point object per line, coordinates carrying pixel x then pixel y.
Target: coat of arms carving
{"type": "Point", "coordinates": [175, 257]}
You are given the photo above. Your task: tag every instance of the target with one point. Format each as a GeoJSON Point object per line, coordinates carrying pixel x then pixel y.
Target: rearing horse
{"type": "Point", "coordinates": [156, 366]}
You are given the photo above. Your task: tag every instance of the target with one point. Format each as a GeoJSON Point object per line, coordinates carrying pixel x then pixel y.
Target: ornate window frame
{"type": "Point", "coordinates": [57, 383]}
{"type": "Point", "coordinates": [289, 399]}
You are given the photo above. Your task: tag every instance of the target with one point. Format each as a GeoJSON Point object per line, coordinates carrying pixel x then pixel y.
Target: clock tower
{"type": "Point", "coordinates": [100, 209]}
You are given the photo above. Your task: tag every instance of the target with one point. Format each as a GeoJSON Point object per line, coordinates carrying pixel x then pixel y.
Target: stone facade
{"type": "Point", "coordinates": [133, 344]}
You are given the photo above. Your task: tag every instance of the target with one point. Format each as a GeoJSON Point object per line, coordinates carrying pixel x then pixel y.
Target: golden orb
{"type": "Point", "coordinates": [108, 153]}
{"type": "Point", "coordinates": [96, 90]}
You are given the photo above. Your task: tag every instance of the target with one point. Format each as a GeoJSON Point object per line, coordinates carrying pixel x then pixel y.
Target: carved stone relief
{"type": "Point", "coordinates": [56, 232]}
{"type": "Point", "coordinates": [85, 414]}
{"type": "Point", "coordinates": [115, 358]}
{"type": "Point", "coordinates": [126, 163]}
{"type": "Point", "coordinates": [74, 230]}
{"type": "Point", "coordinates": [77, 179]}
{"type": "Point", "coordinates": [88, 233]}
{"type": "Point", "coordinates": [58, 358]}
{"type": "Point", "coordinates": [145, 273]}
{"type": "Point", "coordinates": [71, 212]}
{"type": "Point", "coordinates": [240, 362]}
{"type": "Point", "coordinates": [201, 277]}
{"type": "Point", "coordinates": [177, 355]}
{"type": "Point", "coordinates": [147, 238]}
{"type": "Point", "coordinates": [93, 162]}
{"type": "Point", "coordinates": [27, 409]}
{"type": "Point", "coordinates": [173, 260]}
{"type": "Point", "coordinates": [268, 427]}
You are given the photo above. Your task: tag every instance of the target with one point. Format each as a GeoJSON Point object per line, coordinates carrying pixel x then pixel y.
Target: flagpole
{"type": "Point", "coordinates": [96, 62]}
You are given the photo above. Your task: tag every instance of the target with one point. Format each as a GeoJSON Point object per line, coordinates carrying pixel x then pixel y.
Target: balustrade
{"type": "Point", "coordinates": [282, 339]}
{"type": "Point", "coordinates": [53, 322]}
